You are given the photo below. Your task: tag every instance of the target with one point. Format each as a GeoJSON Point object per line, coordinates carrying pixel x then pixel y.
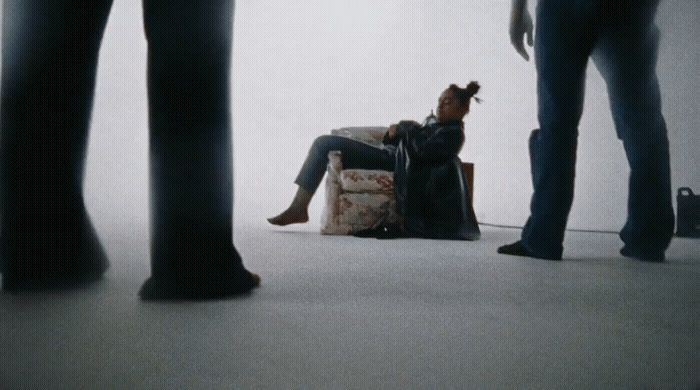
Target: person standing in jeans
{"type": "Point", "coordinates": [622, 39]}
{"type": "Point", "coordinates": [49, 53]}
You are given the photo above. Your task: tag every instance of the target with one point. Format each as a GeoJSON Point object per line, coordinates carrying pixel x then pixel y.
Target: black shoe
{"type": "Point", "coordinates": [215, 287]}
{"type": "Point", "coordinates": [367, 233]}
{"type": "Point", "coordinates": [518, 249]}
{"type": "Point", "coordinates": [15, 284]}
{"type": "Point", "coordinates": [51, 252]}
{"type": "Point", "coordinates": [383, 232]}
{"type": "Point", "coordinates": [390, 232]}
{"type": "Point", "coordinates": [62, 271]}
{"type": "Point", "coordinates": [649, 256]}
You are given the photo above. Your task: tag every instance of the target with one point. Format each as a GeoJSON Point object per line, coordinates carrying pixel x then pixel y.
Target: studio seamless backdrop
{"type": "Point", "coordinates": [301, 69]}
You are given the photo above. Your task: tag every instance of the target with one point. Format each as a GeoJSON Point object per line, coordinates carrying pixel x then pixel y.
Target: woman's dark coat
{"type": "Point", "coordinates": [432, 193]}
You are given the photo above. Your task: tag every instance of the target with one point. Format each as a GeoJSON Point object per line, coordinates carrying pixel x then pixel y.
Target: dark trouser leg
{"type": "Point", "coordinates": [626, 57]}
{"type": "Point", "coordinates": [562, 47]}
{"type": "Point", "coordinates": [49, 53]}
{"type": "Point", "coordinates": [356, 155]}
{"type": "Point", "coordinates": [189, 49]}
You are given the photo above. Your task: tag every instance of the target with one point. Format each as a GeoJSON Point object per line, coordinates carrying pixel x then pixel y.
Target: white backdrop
{"type": "Point", "coordinates": [303, 68]}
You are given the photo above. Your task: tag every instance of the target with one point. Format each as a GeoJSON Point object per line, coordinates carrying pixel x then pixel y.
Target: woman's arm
{"type": "Point", "coordinates": [396, 131]}
{"type": "Point", "coordinates": [431, 146]}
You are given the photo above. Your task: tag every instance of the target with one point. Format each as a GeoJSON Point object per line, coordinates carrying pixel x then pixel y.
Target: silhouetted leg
{"type": "Point", "coordinates": [562, 46]}
{"type": "Point", "coordinates": [192, 252]}
{"type": "Point", "coordinates": [626, 56]}
{"type": "Point", "coordinates": [49, 53]}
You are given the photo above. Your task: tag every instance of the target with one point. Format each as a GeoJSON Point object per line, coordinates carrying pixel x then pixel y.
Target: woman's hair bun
{"type": "Point", "coordinates": [473, 88]}
{"type": "Point", "coordinates": [465, 94]}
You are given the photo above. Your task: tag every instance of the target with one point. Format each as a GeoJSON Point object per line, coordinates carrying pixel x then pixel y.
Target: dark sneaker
{"type": "Point", "coordinates": [13, 284]}
{"type": "Point", "coordinates": [215, 287]}
{"type": "Point", "coordinates": [518, 249]}
{"type": "Point", "coordinates": [649, 256]}
{"type": "Point", "coordinates": [62, 260]}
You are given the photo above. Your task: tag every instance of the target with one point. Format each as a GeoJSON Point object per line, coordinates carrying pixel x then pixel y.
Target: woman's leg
{"type": "Point", "coordinates": [49, 63]}
{"type": "Point", "coordinates": [560, 91]}
{"type": "Point", "coordinates": [192, 252]}
{"type": "Point", "coordinates": [356, 155]}
{"type": "Point", "coordinates": [626, 56]}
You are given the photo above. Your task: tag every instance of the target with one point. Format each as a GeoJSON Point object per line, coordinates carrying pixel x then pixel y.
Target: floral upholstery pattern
{"type": "Point", "coordinates": [357, 199]}
{"type": "Point", "coordinates": [361, 180]}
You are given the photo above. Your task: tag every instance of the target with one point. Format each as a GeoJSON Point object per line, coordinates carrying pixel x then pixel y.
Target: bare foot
{"type": "Point", "coordinates": [290, 216]}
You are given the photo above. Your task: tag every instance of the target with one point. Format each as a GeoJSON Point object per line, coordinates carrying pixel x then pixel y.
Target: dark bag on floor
{"type": "Point", "coordinates": [688, 213]}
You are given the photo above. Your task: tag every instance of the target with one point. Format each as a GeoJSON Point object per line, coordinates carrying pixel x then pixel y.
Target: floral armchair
{"type": "Point", "coordinates": [358, 199]}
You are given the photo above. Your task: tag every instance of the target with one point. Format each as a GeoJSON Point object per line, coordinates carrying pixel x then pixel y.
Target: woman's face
{"type": "Point", "coordinates": [449, 109]}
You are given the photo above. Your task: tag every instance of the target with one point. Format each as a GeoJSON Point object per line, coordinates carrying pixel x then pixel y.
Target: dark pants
{"type": "Point", "coordinates": [622, 40]}
{"type": "Point", "coordinates": [356, 155]}
{"type": "Point", "coordinates": [50, 51]}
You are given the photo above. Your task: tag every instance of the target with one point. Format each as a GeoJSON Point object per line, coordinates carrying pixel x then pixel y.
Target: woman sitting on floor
{"type": "Point", "coordinates": [431, 190]}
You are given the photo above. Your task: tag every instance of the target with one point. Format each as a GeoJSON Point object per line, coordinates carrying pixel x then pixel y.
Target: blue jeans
{"type": "Point", "coordinates": [622, 40]}
{"type": "Point", "coordinates": [50, 52]}
{"type": "Point", "coordinates": [356, 155]}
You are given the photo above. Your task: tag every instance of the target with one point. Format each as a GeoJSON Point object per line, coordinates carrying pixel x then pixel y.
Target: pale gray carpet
{"type": "Point", "coordinates": [344, 312]}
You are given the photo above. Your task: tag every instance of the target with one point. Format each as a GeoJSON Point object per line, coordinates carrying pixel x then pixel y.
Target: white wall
{"type": "Point", "coordinates": [302, 68]}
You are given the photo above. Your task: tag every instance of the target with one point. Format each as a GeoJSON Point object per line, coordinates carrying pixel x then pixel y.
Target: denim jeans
{"type": "Point", "coordinates": [356, 155]}
{"type": "Point", "coordinates": [50, 52]}
{"type": "Point", "coordinates": [622, 40]}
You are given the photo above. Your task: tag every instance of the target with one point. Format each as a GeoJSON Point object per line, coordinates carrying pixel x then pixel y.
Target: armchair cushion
{"type": "Point", "coordinates": [370, 135]}
{"type": "Point", "coordinates": [366, 180]}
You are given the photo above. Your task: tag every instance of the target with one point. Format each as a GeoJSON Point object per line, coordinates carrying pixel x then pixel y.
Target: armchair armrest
{"type": "Point", "coordinates": [372, 135]}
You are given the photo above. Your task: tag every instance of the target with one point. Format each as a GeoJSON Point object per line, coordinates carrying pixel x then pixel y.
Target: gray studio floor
{"type": "Point", "coordinates": [344, 312]}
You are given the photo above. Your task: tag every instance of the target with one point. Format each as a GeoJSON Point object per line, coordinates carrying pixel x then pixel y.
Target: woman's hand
{"type": "Point", "coordinates": [521, 26]}
{"type": "Point", "coordinates": [391, 133]}
{"type": "Point", "coordinates": [396, 131]}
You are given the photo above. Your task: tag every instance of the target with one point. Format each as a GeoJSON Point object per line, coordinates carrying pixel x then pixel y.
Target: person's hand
{"type": "Point", "coordinates": [391, 133]}
{"type": "Point", "coordinates": [520, 26]}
